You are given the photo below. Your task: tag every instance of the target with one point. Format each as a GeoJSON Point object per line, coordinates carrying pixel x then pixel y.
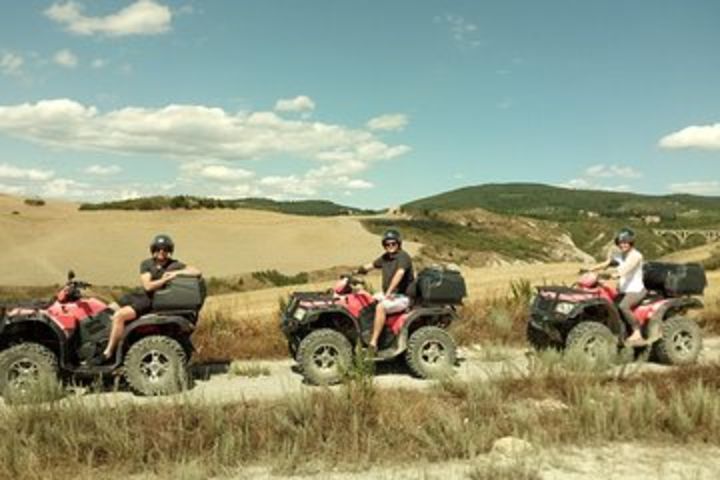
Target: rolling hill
{"type": "Point", "coordinates": [588, 218]}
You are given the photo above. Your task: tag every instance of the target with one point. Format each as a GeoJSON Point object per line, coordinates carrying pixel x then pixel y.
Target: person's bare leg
{"type": "Point", "coordinates": [377, 325]}
{"type": "Point", "coordinates": [119, 319]}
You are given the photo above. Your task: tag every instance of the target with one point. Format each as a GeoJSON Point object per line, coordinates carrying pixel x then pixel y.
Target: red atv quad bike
{"type": "Point", "coordinates": [324, 328]}
{"type": "Point", "coordinates": [585, 317]}
{"type": "Point", "coordinates": [60, 337]}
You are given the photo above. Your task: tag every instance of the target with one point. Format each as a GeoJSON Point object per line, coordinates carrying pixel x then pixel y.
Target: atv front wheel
{"type": "Point", "coordinates": [540, 340]}
{"type": "Point", "coordinates": [324, 356]}
{"type": "Point", "coordinates": [156, 365]}
{"type": "Point", "coordinates": [593, 341]}
{"type": "Point", "coordinates": [431, 352]}
{"type": "Point", "coordinates": [680, 344]}
{"type": "Point", "coordinates": [28, 372]}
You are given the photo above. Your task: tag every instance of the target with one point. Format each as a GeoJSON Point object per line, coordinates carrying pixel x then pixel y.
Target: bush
{"type": "Point", "coordinates": [277, 279]}
{"type": "Point", "coordinates": [34, 202]}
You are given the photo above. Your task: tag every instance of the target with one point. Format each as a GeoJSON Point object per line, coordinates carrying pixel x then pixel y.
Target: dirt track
{"type": "Point", "coordinates": [213, 385]}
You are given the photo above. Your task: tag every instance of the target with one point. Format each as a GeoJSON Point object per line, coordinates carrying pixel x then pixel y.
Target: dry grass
{"type": "Point", "coordinates": [224, 335]}
{"type": "Point", "coordinates": [251, 370]}
{"type": "Point", "coordinates": [360, 425]}
{"type": "Point", "coordinates": [496, 320]}
{"type": "Point", "coordinates": [710, 317]}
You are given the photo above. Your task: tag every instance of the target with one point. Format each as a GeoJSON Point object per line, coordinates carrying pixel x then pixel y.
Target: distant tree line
{"type": "Point", "coordinates": [187, 202]}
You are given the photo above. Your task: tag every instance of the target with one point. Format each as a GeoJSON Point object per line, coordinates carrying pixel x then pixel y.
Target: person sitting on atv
{"type": "Point", "coordinates": [155, 273]}
{"type": "Point", "coordinates": [397, 275]}
{"type": "Point", "coordinates": [629, 273]}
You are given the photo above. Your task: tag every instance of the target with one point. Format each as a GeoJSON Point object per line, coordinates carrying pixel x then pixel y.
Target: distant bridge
{"type": "Point", "coordinates": [683, 235]}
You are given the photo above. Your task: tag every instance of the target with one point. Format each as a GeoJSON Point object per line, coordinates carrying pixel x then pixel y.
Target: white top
{"type": "Point", "coordinates": [630, 269]}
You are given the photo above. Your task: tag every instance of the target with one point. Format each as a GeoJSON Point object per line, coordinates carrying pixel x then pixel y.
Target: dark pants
{"type": "Point", "coordinates": [139, 300]}
{"type": "Point", "coordinates": [626, 305]}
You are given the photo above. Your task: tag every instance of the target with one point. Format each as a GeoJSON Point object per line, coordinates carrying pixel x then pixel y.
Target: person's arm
{"type": "Point", "coordinates": [188, 271]}
{"type": "Point", "coordinates": [363, 269]}
{"type": "Point", "coordinates": [633, 261]}
{"type": "Point", "coordinates": [151, 285]}
{"type": "Point", "coordinates": [395, 281]}
{"type": "Point", "coordinates": [600, 266]}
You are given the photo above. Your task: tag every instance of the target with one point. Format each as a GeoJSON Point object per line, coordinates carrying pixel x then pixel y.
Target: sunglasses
{"type": "Point", "coordinates": [161, 249]}
{"type": "Point", "coordinates": [390, 244]}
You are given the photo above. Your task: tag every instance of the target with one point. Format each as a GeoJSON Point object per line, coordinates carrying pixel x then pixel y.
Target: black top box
{"type": "Point", "coordinates": [675, 279]}
{"type": "Point", "coordinates": [182, 293]}
{"type": "Point", "coordinates": [439, 286]}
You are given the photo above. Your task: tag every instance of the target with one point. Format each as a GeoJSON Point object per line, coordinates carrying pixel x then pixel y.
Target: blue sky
{"type": "Point", "coordinates": [367, 103]}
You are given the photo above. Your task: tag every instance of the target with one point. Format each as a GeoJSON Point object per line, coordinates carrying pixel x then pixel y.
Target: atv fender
{"type": "Point", "coordinates": [315, 317]}
{"type": "Point", "coordinates": [172, 325]}
{"type": "Point", "coordinates": [34, 327]}
{"type": "Point", "coordinates": [683, 303]}
{"type": "Point", "coordinates": [612, 317]}
{"type": "Point", "coordinates": [417, 318]}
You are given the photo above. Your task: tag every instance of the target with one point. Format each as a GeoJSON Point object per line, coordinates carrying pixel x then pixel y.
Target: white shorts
{"type": "Point", "coordinates": [397, 303]}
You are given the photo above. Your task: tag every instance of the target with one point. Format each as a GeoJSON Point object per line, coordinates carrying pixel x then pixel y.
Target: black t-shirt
{"type": "Point", "coordinates": [390, 263]}
{"type": "Point", "coordinates": [156, 271]}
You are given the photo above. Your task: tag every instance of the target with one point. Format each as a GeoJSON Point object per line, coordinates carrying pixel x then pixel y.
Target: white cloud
{"type": "Point", "coordinates": [10, 172]}
{"type": "Point", "coordinates": [65, 58]}
{"type": "Point", "coordinates": [584, 184]}
{"type": "Point", "coordinates": [99, 63]}
{"type": "Point", "coordinates": [12, 189]}
{"type": "Point", "coordinates": [705, 137]}
{"type": "Point", "coordinates": [392, 121]}
{"type": "Point", "coordinates": [207, 141]}
{"type": "Point", "coordinates": [609, 171]}
{"type": "Point", "coordinates": [102, 170]}
{"type": "Point", "coordinates": [300, 103]}
{"type": "Point", "coordinates": [144, 17]}
{"type": "Point", "coordinates": [464, 32]}
{"type": "Point", "coordinates": [711, 187]}
{"type": "Point", "coordinates": [190, 132]}
{"type": "Point", "coordinates": [11, 63]}
{"type": "Point", "coordinates": [61, 187]}
{"type": "Point", "coordinates": [358, 183]}
{"type": "Point", "coordinates": [224, 173]}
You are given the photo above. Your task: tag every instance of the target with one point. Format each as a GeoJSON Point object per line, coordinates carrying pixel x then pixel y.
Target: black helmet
{"type": "Point", "coordinates": [391, 235]}
{"type": "Point", "coordinates": [625, 235]}
{"type": "Point", "coordinates": [162, 241]}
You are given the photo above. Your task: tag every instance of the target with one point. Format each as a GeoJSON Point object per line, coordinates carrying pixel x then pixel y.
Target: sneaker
{"type": "Point", "coordinates": [97, 360]}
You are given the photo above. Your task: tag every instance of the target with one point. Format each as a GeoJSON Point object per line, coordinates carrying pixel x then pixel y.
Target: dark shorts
{"type": "Point", "coordinates": [139, 300]}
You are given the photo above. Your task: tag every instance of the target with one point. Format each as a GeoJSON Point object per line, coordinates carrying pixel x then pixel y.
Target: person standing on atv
{"type": "Point", "coordinates": [397, 275]}
{"type": "Point", "coordinates": [629, 273]}
{"type": "Point", "coordinates": [155, 273]}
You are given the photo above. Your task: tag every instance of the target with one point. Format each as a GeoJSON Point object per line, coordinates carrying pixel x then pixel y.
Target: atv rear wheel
{"type": "Point", "coordinates": [680, 344]}
{"type": "Point", "coordinates": [431, 352]}
{"type": "Point", "coordinates": [28, 372]}
{"type": "Point", "coordinates": [156, 365]}
{"type": "Point", "coordinates": [593, 340]}
{"type": "Point", "coordinates": [324, 356]}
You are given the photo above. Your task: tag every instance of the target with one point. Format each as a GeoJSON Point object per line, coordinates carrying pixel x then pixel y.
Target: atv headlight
{"type": "Point", "coordinates": [564, 308]}
{"type": "Point", "coordinates": [299, 313]}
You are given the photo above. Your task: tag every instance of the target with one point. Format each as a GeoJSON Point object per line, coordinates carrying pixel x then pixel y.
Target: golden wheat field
{"type": "Point", "coordinates": [38, 245]}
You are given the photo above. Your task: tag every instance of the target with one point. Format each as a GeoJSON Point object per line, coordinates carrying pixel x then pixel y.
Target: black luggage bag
{"type": "Point", "coordinates": [182, 293]}
{"type": "Point", "coordinates": [439, 286]}
{"type": "Point", "coordinates": [675, 279]}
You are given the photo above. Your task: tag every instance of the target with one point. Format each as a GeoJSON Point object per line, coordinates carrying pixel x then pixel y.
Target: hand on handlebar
{"type": "Point", "coordinates": [361, 270]}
